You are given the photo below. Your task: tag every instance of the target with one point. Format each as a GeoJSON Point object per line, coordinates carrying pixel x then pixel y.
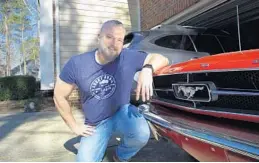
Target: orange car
{"type": "Point", "coordinates": [209, 106]}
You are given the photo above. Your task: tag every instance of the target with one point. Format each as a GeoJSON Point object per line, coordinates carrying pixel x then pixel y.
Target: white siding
{"type": "Point", "coordinates": [80, 22]}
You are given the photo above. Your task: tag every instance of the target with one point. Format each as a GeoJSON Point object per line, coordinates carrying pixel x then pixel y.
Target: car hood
{"type": "Point", "coordinates": [232, 61]}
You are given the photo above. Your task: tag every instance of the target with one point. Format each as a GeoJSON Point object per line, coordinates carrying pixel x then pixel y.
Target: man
{"type": "Point", "coordinates": [104, 78]}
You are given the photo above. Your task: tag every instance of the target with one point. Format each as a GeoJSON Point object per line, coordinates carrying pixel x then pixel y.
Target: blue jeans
{"type": "Point", "coordinates": [127, 121]}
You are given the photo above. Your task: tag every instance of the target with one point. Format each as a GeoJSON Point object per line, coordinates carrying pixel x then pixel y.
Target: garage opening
{"type": "Point", "coordinates": [224, 17]}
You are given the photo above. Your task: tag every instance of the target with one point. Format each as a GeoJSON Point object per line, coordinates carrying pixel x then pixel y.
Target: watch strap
{"type": "Point", "coordinates": [148, 66]}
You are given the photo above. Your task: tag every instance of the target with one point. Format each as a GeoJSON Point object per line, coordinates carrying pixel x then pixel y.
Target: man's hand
{"type": "Point", "coordinates": [84, 130]}
{"type": "Point", "coordinates": [145, 84]}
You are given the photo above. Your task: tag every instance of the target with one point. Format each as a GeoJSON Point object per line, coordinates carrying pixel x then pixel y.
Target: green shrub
{"type": "Point", "coordinates": [17, 87]}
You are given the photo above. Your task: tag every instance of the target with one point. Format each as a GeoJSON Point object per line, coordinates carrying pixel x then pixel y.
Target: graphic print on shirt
{"type": "Point", "coordinates": [103, 87]}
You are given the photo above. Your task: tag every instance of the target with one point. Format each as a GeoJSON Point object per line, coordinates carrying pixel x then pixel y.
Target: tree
{"type": "Point", "coordinates": [25, 25]}
{"type": "Point", "coordinates": [2, 67]}
{"type": "Point", "coordinates": [32, 49]}
{"type": "Point", "coordinates": [15, 20]}
{"type": "Point", "coordinates": [9, 17]}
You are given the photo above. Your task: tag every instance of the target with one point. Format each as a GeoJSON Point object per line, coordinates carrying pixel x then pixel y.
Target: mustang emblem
{"type": "Point", "coordinates": [189, 91]}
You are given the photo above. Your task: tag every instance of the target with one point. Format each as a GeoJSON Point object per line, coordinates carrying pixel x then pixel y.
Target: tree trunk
{"type": "Point", "coordinates": [20, 66]}
{"type": "Point", "coordinates": [23, 54]}
{"type": "Point", "coordinates": [8, 54]}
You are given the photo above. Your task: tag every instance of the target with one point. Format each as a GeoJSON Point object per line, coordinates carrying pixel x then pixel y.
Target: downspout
{"type": "Point", "coordinates": [57, 38]}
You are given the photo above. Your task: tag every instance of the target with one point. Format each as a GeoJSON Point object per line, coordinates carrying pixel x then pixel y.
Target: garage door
{"type": "Point", "coordinates": [225, 14]}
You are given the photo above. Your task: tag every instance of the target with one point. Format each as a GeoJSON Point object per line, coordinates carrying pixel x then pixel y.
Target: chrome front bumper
{"type": "Point", "coordinates": [232, 144]}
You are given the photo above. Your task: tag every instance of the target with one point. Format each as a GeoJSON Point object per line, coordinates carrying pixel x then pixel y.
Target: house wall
{"type": "Point", "coordinates": [154, 12]}
{"type": "Point", "coordinates": [80, 21]}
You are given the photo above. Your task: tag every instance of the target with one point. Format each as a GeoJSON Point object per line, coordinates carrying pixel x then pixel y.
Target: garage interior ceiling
{"type": "Point", "coordinates": [226, 14]}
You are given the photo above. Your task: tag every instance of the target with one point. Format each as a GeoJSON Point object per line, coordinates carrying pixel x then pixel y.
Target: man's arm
{"type": "Point", "coordinates": [145, 80]}
{"type": "Point", "coordinates": [61, 92]}
{"type": "Point", "coordinates": [156, 60]}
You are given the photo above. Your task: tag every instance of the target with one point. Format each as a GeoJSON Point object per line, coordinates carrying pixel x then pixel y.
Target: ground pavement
{"type": "Point", "coordinates": [43, 136]}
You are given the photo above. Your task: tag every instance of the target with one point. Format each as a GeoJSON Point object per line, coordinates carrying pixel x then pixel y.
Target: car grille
{"type": "Point", "coordinates": [237, 81]}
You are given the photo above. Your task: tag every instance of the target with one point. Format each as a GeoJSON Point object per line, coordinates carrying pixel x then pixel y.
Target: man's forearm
{"type": "Point", "coordinates": [157, 61]}
{"type": "Point", "coordinates": [65, 111]}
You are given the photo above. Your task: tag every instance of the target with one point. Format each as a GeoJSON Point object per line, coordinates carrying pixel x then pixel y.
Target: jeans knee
{"type": "Point", "coordinates": [143, 137]}
{"type": "Point", "coordinates": [138, 140]}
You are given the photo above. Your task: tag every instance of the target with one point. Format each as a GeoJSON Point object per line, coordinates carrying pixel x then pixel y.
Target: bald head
{"type": "Point", "coordinates": [110, 24]}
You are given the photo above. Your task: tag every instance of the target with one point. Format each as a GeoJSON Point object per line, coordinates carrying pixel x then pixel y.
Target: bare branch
{"type": "Point", "coordinates": [24, 1]}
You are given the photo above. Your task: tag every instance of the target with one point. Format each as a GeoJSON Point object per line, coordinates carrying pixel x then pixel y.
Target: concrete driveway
{"type": "Point", "coordinates": [43, 136]}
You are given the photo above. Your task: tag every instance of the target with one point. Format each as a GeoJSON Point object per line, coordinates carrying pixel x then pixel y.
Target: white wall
{"type": "Point", "coordinates": [46, 45]}
{"type": "Point", "coordinates": [80, 21]}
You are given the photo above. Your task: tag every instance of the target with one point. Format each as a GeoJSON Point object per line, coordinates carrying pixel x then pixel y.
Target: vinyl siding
{"type": "Point", "coordinates": [80, 22]}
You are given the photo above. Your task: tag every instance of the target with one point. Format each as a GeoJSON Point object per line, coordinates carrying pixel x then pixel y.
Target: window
{"type": "Point", "coordinates": [176, 42]}
{"type": "Point", "coordinates": [207, 43]}
{"type": "Point", "coordinates": [171, 41]}
{"type": "Point", "coordinates": [188, 45]}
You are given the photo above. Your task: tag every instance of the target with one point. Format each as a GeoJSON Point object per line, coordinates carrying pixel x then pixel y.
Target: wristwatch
{"type": "Point", "coordinates": [148, 66]}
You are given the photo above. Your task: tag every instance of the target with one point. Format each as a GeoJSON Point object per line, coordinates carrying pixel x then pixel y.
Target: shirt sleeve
{"type": "Point", "coordinates": [68, 72]}
{"type": "Point", "coordinates": [137, 58]}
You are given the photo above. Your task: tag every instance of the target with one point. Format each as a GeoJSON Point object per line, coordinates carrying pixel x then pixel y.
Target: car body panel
{"type": "Point", "coordinates": [232, 61]}
{"type": "Point", "coordinates": [226, 62]}
{"type": "Point", "coordinates": [174, 55]}
{"type": "Point", "coordinates": [205, 138]}
{"type": "Point", "coordinates": [145, 41]}
{"type": "Point", "coordinates": [207, 134]}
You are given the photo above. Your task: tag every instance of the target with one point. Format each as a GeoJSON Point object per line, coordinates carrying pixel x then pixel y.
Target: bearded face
{"type": "Point", "coordinates": [111, 42]}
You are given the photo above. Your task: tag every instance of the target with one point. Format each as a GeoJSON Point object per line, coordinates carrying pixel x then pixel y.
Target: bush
{"type": "Point", "coordinates": [38, 85]}
{"type": "Point", "coordinates": [17, 87]}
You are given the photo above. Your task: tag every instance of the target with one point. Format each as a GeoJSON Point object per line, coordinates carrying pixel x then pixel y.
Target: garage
{"type": "Point", "coordinates": [225, 16]}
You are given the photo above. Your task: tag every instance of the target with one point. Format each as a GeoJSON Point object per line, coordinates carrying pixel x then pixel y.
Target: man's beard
{"type": "Point", "coordinates": [109, 53]}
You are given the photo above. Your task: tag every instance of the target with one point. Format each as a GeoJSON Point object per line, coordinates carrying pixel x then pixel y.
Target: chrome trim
{"type": "Point", "coordinates": [229, 143]}
{"type": "Point", "coordinates": [191, 108]}
{"type": "Point", "coordinates": [164, 90]}
{"type": "Point", "coordinates": [216, 70]}
{"type": "Point", "coordinates": [205, 65]}
{"type": "Point", "coordinates": [218, 92]}
{"type": "Point", "coordinates": [256, 61]}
